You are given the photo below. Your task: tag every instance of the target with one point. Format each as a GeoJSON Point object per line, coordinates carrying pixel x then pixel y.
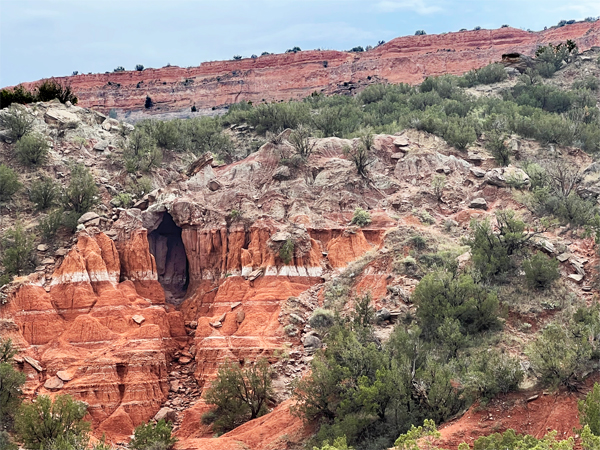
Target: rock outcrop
{"type": "Point", "coordinates": [83, 334]}
{"type": "Point", "coordinates": [268, 78]}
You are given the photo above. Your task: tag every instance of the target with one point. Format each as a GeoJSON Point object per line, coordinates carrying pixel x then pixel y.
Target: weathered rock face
{"type": "Point", "coordinates": [406, 59]}
{"type": "Point", "coordinates": [83, 335]}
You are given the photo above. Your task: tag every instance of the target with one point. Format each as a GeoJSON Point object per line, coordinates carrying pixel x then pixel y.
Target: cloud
{"type": "Point", "coordinates": [418, 6]}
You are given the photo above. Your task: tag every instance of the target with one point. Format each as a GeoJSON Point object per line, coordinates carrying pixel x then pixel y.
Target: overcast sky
{"type": "Point", "coordinates": [44, 38]}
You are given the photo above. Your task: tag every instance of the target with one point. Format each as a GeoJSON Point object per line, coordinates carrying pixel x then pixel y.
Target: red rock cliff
{"type": "Point", "coordinates": [295, 75]}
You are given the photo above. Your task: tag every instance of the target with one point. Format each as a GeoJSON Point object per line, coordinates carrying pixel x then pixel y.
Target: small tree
{"type": "Point", "coordinates": [240, 393]}
{"type": "Point", "coordinates": [148, 103]}
{"type": "Point", "coordinates": [32, 149]}
{"type": "Point", "coordinates": [361, 217]}
{"type": "Point", "coordinates": [540, 271]}
{"type": "Point", "coordinates": [301, 140]}
{"type": "Point", "coordinates": [141, 153]}
{"type": "Point", "coordinates": [17, 121]}
{"type": "Point", "coordinates": [557, 357]}
{"type": "Point", "coordinates": [498, 148]}
{"type": "Point", "coordinates": [81, 193]}
{"type": "Point", "coordinates": [589, 410]}
{"type": "Point", "coordinates": [438, 184]}
{"type": "Point", "coordinates": [119, 69]}
{"type": "Point", "coordinates": [42, 421]}
{"type": "Point", "coordinates": [51, 89]}
{"type": "Point", "coordinates": [9, 183]}
{"type": "Point", "coordinates": [139, 67]}
{"type": "Point", "coordinates": [10, 385]}
{"type": "Point", "coordinates": [286, 252]}
{"type": "Point", "coordinates": [50, 224]}
{"type": "Point", "coordinates": [149, 436]}
{"type": "Point", "coordinates": [360, 152]}
{"type": "Point", "coordinates": [420, 33]}
{"type": "Point", "coordinates": [44, 192]}
{"type": "Point", "coordinates": [17, 248]}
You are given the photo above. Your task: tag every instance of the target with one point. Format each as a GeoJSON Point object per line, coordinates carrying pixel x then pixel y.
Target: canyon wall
{"type": "Point", "coordinates": [98, 329]}
{"type": "Point", "coordinates": [296, 75]}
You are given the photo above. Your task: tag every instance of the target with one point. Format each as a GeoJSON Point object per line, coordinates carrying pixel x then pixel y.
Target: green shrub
{"type": "Point", "coordinates": [286, 252]}
{"type": "Point", "coordinates": [149, 436]}
{"type": "Point", "coordinates": [81, 193]}
{"type": "Point", "coordinates": [17, 248]}
{"type": "Point", "coordinates": [337, 444]}
{"type": "Point", "coordinates": [590, 82]}
{"type": "Point", "coordinates": [50, 224]}
{"type": "Point", "coordinates": [11, 382]}
{"type": "Point", "coordinates": [122, 200]}
{"type": "Point", "coordinates": [17, 95]}
{"type": "Point", "coordinates": [240, 393]}
{"type": "Point", "coordinates": [6, 443]}
{"type": "Point", "coordinates": [301, 140]}
{"type": "Point", "coordinates": [321, 318]}
{"type": "Point", "coordinates": [558, 357]}
{"type": "Point", "coordinates": [438, 184]}
{"type": "Point", "coordinates": [492, 373]}
{"type": "Point", "coordinates": [51, 89]}
{"type": "Point", "coordinates": [17, 121]}
{"type": "Point", "coordinates": [442, 294]}
{"type": "Point", "coordinates": [42, 421]}
{"type": "Point", "coordinates": [589, 410]}
{"type": "Point", "coordinates": [498, 148]}
{"type": "Point", "coordinates": [540, 271]}
{"type": "Point", "coordinates": [141, 153]}
{"type": "Point", "coordinates": [361, 218]}
{"type": "Point", "coordinates": [32, 149]}
{"type": "Point", "coordinates": [139, 67]}
{"type": "Point", "coordinates": [510, 440]}
{"type": "Point", "coordinates": [44, 193]}
{"type": "Point", "coordinates": [492, 249]}
{"type": "Point", "coordinates": [69, 220]}
{"type": "Point", "coordinates": [9, 183]}
{"type": "Point", "coordinates": [208, 417]}
{"type": "Point", "coordinates": [460, 133]}
{"type": "Point", "coordinates": [492, 73]}
{"type": "Point", "coordinates": [148, 103]}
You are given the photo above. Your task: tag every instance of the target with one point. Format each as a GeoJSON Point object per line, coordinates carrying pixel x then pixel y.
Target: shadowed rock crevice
{"type": "Point", "coordinates": [171, 261]}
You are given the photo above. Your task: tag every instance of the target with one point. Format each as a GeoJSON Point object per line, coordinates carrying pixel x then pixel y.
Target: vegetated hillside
{"type": "Point", "coordinates": [296, 75]}
{"type": "Point", "coordinates": [430, 255]}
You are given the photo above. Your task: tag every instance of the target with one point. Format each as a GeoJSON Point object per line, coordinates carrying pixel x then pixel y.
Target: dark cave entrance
{"type": "Point", "coordinates": [171, 261]}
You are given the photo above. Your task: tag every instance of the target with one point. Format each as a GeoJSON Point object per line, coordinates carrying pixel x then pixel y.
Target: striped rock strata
{"type": "Point", "coordinates": [296, 75]}
{"type": "Point", "coordinates": [83, 330]}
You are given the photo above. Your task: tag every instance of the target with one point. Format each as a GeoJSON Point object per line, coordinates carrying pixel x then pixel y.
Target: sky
{"type": "Point", "coordinates": [45, 38]}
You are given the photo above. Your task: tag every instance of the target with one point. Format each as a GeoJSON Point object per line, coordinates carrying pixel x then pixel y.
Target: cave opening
{"type": "Point", "coordinates": [171, 260]}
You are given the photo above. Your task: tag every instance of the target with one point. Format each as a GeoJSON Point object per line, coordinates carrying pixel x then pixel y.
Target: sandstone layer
{"type": "Point", "coordinates": [296, 75]}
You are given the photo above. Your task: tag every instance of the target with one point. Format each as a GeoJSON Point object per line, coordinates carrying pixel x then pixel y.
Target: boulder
{"type": "Point", "coordinates": [310, 341]}
{"type": "Point", "coordinates": [401, 141]}
{"type": "Point", "coordinates": [479, 173]}
{"type": "Point", "coordinates": [383, 314]}
{"type": "Point", "coordinates": [504, 176]}
{"type": "Point", "coordinates": [42, 248]}
{"type": "Point", "coordinates": [88, 216]}
{"type": "Point", "coordinates": [64, 375]}
{"type": "Point", "coordinates": [281, 173]}
{"type": "Point", "coordinates": [577, 278]}
{"type": "Point", "coordinates": [54, 383]}
{"type": "Point", "coordinates": [33, 363]}
{"type": "Point", "coordinates": [166, 414]}
{"type": "Point", "coordinates": [139, 319]}
{"type": "Point", "coordinates": [478, 203]}
{"type": "Point", "coordinates": [214, 185]}
{"type": "Point", "coordinates": [101, 146]}
{"type": "Point", "coordinates": [60, 117]}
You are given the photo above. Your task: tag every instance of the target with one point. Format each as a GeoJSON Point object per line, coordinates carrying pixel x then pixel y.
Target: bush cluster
{"type": "Point", "coordinates": [46, 91]}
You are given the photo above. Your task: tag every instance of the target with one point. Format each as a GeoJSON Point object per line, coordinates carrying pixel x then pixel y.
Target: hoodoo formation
{"type": "Point", "coordinates": [390, 253]}
{"type": "Point", "coordinates": [296, 75]}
